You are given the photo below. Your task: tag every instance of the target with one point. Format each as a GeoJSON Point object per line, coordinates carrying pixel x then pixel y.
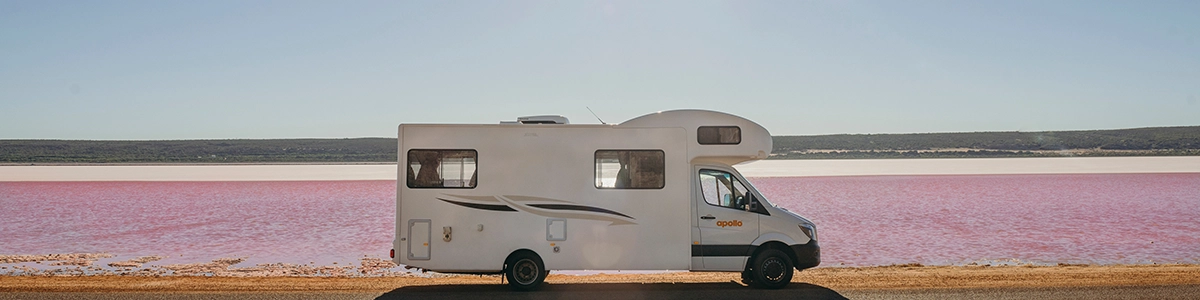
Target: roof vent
{"type": "Point", "coordinates": [548, 119]}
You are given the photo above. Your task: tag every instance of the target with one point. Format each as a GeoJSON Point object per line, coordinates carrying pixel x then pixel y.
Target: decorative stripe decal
{"type": "Point", "coordinates": [546, 207]}
{"type": "Point", "coordinates": [723, 250]}
{"type": "Point", "coordinates": [519, 198]}
{"type": "Point", "coordinates": [579, 208]}
{"type": "Point", "coordinates": [476, 198]}
{"type": "Point", "coordinates": [494, 207]}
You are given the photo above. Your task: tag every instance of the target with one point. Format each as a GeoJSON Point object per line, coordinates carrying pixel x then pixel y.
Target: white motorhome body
{"type": "Point", "coordinates": [657, 192]}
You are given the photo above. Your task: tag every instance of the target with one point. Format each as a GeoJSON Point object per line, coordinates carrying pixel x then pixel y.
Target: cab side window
{"type": "Point", "coordinates": [721, 188]}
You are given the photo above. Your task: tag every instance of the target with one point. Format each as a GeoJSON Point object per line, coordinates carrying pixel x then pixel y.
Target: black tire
{"type": "Point", "coordinates": [524, 271]}
{"type": "Point", "coordinates": [772, 269]}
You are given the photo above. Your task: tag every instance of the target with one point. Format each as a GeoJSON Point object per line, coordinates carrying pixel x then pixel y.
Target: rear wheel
{"type": "Point", "coordinates": [772, 269]}
{"type": "Point", "coordinates": [525, 270]}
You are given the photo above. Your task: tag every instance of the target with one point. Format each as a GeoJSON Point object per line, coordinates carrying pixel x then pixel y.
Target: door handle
{"type": "Point", "coordinates": [708, 217]}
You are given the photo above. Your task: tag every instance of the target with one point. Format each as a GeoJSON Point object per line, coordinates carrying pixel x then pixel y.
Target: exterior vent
{"type": "Point", "coordinates": [549, 119]}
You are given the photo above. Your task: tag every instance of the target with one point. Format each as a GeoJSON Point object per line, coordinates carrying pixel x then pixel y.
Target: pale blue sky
{"type": "Point", "coordinates": [285, 69]}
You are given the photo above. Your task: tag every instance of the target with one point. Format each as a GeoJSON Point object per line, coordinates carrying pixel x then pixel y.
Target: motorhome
{"type": "Point", "coordinates": [656, 192]}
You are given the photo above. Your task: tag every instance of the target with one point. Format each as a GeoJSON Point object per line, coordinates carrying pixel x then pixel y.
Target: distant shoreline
{"type": "Point", "coordinates": [1154, 141]}
{"type": "Point", "coordinates": [763, 168]}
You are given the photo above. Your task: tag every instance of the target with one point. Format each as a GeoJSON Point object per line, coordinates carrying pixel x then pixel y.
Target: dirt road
{"type": "Point", "coordinates": [893, 282]}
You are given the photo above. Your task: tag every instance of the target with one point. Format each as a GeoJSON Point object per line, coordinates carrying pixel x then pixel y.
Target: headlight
{"type": "Point", "coordinates": [810, 230]}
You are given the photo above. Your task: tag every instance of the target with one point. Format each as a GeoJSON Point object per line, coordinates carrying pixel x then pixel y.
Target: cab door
{"type": "Point", "coordinates": [726, 227]}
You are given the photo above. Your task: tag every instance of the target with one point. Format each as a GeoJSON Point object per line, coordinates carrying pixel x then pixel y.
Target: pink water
{"type": "Point", "coordinates": [933, 220]}
{"type": "Point", "coordinates": [293, 222]}
{"type": "Point", "coordinates": [1038, 219]}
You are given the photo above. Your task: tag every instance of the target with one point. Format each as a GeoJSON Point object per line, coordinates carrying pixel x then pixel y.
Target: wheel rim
{"type": "Point", "coordinates": [525, 271]}
{"type": "Point", "coordinates": [773, 269]}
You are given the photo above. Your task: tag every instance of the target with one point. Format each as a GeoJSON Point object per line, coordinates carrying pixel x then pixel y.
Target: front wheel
{"type": "Point", "coordinates": [525, 271]}
{"type": "Point", "coordinates": [772, 269]}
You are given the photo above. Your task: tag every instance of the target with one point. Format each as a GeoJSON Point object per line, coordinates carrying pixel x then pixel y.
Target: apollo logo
{"type": "Point", "coordinates": [734, 223]}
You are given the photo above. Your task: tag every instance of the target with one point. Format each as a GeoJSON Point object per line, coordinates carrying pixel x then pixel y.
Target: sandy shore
{"type": "Point", "coordinates": [766, 168]}
{"type": "Point", "coordinates": [888, 277]}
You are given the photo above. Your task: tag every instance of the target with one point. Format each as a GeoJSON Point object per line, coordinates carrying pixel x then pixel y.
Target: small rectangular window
{"type": "Point", "coordinates": [630, 169]}
{"type": "Point", "coordinates": [442, 168]}
{"type": "Point", "coordinates": [719, 135]}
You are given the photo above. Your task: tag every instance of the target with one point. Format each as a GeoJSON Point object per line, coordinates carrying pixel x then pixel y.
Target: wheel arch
{"type": "Point", "coordinates": [774, 236]}
{"type": "Point", "coordinates": [773, 244]}
{"type": "Point", "coordinates": [511, 255]}
{"type": "Point", "coordinates": [772, 240]}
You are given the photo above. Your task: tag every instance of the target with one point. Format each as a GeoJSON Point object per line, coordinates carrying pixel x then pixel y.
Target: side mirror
{"type": "Point", "coordinates": [753, 205]}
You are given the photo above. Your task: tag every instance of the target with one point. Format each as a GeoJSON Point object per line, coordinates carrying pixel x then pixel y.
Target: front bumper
{"type": "Point", "coordinates": [807, 255]}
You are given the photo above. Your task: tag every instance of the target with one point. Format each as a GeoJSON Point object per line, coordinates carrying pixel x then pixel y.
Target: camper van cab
{"type": "Point", "coordinates": [657, 192]}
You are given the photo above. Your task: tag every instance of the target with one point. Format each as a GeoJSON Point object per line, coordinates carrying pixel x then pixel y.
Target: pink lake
{"type": "Point", "coordinates": [868, 220]}
{"type": "Point", "coordinates": [1005, 219]}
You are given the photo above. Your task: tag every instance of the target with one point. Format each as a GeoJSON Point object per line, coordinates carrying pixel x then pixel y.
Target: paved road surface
{"type": "Point", "coordinates": [688, 291]}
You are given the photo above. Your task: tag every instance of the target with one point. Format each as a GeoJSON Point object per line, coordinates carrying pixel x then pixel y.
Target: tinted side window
{"type": "Point", "coordinates": [719, 135]}
{"type": "Point", "coordinates": [723, 189]}
{"type": "Point", "coordinates": [441, 168]}
{"type": "Point", "coordinates": [630, 169]}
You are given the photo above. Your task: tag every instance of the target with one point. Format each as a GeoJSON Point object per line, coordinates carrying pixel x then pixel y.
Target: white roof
{"type": "Point", "coordinates": [755, 140]}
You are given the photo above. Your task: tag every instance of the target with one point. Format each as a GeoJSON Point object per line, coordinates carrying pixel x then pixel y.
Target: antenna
{"type": "Point", "coordinates": [594, 115]}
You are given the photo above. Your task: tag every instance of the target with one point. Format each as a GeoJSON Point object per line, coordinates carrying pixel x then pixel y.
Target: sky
{"type": "Point", "coordinates": [133, 70]}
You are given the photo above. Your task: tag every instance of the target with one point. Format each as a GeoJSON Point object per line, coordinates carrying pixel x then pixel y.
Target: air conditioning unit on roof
{"type": "Point", "coordinates": [547, 119]}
